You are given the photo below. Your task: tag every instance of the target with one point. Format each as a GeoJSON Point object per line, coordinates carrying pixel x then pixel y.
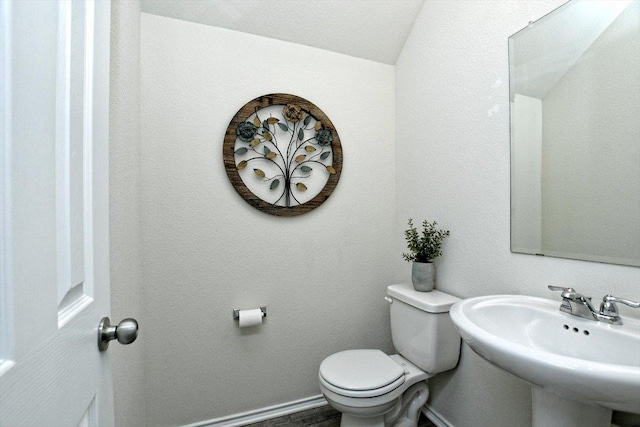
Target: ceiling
{"type": "Point", "coordinates": [370, 29]}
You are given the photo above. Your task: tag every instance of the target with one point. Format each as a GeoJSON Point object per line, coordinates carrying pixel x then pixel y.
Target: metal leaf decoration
{"type": "Point", "coordinates": [290, 149]}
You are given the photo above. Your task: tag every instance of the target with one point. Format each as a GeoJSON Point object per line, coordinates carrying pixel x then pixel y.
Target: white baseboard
{"type": "Point", "coordinates": [275, 411]}
{"type": "Point", "coordinates": [263, 414]}
{"type": "Point", "coordinates": [435, 417]}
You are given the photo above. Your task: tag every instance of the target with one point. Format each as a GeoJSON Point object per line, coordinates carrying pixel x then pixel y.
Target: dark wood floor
{"type": "Point", "coordinates": [324, 416]}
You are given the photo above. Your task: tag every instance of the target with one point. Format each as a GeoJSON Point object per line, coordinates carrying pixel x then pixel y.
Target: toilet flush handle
{"type": "Point", "coordinates": [389, 300]}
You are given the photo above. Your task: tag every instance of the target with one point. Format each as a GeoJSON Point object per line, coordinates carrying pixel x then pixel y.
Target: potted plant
{"type": "Point", "coordinates": [424, 248]}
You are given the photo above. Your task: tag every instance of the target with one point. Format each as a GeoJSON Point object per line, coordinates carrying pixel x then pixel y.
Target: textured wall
{"type": "Point", "coordinates": [124, 181]}
{"type": "Point", "coordinates": [452, 154]}
{"type": "Point", "coordinates": [322, 275]}
{"type": "Point", "coordinates": [593, 207]}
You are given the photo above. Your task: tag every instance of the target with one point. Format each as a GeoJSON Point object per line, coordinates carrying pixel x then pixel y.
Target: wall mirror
{"type": "Point", "coordinates": [575, 133]}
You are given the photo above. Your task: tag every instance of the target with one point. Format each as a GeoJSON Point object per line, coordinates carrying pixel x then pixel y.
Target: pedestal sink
{"type": "Point", "coordinates": [580, 369]}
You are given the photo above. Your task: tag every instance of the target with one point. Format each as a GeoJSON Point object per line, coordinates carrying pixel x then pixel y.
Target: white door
{"type": "Point", "coordinates": [54, 252]}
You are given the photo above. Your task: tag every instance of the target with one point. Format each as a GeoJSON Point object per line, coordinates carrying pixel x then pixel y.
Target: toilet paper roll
{"type": "Point", "coordinates": [250, 318]}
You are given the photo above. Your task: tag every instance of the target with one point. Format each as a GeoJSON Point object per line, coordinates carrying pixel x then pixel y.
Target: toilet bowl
{"type": "Point", "coordinates": [368, 384]}
{"type": "Point", "coordinates": [373, 389]}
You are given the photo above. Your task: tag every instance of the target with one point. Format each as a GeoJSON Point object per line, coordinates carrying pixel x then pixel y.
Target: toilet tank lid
{"type": "Point", "coordinates": [432, 302]}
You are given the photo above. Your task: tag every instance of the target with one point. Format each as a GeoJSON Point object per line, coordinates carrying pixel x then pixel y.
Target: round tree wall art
{"type": "Point", "coordinates": [282, 154]}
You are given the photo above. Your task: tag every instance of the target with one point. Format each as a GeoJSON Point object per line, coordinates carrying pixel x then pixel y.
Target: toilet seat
{"type": "Point", "coordinates": [361, 373]}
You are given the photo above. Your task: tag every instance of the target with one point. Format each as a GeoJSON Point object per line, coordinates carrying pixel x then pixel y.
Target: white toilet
{"type": "Point", "coordinates": [373, 389]}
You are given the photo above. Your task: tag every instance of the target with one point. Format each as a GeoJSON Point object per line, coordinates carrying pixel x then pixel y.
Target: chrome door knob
{"type": "Point", "coordinates": [125, 332]}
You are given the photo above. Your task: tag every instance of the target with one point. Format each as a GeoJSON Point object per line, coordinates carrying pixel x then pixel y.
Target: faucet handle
{"type": "Point", "coordinates": [560, 288]}
{"type": "Point", "coordinates": [566, 292]}
{"type": "Point", "coordinates": [609, 308]}
{"type": "Point", "coordinates": [611, 298]}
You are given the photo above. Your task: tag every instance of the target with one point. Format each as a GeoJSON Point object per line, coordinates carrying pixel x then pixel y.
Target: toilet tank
{"type": "Point", "coordinates": [421, 328]}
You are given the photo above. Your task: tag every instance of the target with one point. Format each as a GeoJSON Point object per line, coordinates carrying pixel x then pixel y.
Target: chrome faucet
{"type": "Point", "coordinates": [579, 305]}
{"type": "Point", "coordinates": [575, 303]}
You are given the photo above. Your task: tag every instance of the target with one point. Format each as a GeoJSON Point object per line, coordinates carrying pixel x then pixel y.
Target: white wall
{"type": "Point", "coordinates": [322, 275]}
{"type": "Point", "coordinates": [591, 149]}
{"type": "Point", "coordinates": [124, 212]}
{"type": "Point", "coordinates": [452, 154]}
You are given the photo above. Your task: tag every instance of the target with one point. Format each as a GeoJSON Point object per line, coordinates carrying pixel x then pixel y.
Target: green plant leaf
{"type": "Point", "coordinates": [283, 127]}
{"type": "Point", "coordinates": [241, 150]}
{"type": "Point", "coordinates": [274, 184]}
{"type": "Point", "coordinates": [305, 169]}
{"type": "Point", "coordinates": [265, 125]}
{"type": "Point", "coordinates": [424, 246]}
{"type": "Point", "coordinates": [324, 155]}
{"type": "Point", "coordinates": [300, 134]}
{"type": "Point", "coordinates": [307, 120]}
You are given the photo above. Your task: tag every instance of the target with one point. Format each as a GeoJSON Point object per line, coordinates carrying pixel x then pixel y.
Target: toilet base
{"type": "Point", "coordinates": [402, 412]}
{"type": "Point", "coordinates": [363, 413]}
{"type": "Point", "coordinates": [348, 420]}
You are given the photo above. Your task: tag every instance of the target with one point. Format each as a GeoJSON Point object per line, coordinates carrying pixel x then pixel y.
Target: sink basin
{"type": "Point", "coordinates": [582, 364]}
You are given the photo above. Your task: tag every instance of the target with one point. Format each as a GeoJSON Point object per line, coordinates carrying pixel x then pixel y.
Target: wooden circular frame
{"type": "Point", "coordinates": [228, 154]}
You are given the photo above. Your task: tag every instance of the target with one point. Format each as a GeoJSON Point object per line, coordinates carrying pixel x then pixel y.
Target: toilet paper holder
{"type": "Point", "coordinates": [236, 312]}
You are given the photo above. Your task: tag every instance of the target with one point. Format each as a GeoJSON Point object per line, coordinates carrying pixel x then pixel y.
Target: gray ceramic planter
{"type": "Point", "coordinates": [423, 276]}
